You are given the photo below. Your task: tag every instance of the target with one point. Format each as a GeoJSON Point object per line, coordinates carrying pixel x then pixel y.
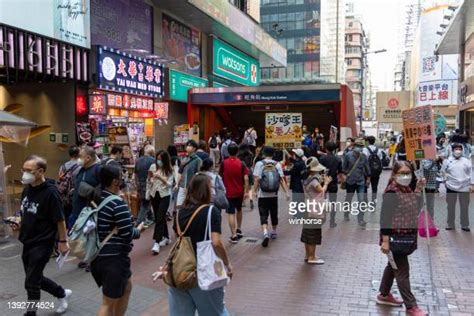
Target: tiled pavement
{"type": "Point", "coordinates": [275, 281]}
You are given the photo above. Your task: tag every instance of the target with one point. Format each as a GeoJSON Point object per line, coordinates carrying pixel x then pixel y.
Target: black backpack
{"type": "Point", "coordinates": [213, 142]}
{"type": "Point", "coordinates": [374, 162]}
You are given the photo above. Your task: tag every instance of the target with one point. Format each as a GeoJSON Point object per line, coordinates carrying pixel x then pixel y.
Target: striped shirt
{"type": "Point", "coordinates": [116, 214]}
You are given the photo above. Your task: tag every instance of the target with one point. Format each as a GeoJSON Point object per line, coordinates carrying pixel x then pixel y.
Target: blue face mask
{"type": "Point", "coordinates": [357, 150]}
{"type": "Point", "coordinates": [159, 163]}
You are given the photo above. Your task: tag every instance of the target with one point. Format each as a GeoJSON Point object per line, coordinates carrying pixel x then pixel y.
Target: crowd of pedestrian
{"type": "Point", "coordinates": [218, 176]}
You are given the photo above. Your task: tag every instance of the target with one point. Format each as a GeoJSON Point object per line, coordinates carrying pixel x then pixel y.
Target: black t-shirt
{"type": "Point", "coordinates": [198, 227]}
{"type": "Point", "coordinates": [41, 210]}
{"type": "Point", "coordinates": [334, 165]}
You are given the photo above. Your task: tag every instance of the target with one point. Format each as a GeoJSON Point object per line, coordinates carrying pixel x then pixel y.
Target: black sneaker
{"type": "Point", "coordinates": [82, 265]}
{"type": "Point", "coordinates": [362, 223]}
{"type": "Point", "coordinates": [449, 228]}
{"type": "Point", "coordinates": [466, 229]}
{"type": "Point", "coordinates": [88, 268]}
{"type": "Point", "coordinates": [251, 204]}
{"type": "Point", "coordinates": [239, 233]}
{"type": "Point", "coordinates": [234, 239]}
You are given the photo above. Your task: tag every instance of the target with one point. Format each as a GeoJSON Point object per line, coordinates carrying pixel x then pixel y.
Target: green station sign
{"type": "Point", "coordinates": [234, 65]}
{"type": "Point", "coordinates": [180, 83]}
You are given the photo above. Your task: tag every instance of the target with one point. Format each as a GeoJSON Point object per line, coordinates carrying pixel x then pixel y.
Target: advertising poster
{"type": "Point", "coordinates": [333, 134]}
{"type": "Point", "coordinates": [118, 135]}
{"type": "Point", "coordinates": [182, 45]}
{"type": "Point", "coordinates": [419, 133]}
{"type": "Point", "coordinates": [440, 92]}
{"type": "Point", "coordinates": [181, 137]}
{"type": "Point", "coordinates": [84, 133]}
{"type": "Point", "coordinates": [122, 24]}
{"type": "Point", "coordinates": [437, 74]}
{"type": "Point", "coordinates": [283, 130]}
{"type": "Point", "coordinates": [64, 20]}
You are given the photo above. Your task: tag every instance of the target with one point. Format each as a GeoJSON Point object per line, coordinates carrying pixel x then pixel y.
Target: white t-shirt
{"type": "Point", "coordinates": [257, 172]}
{"type": "Point", "coordinates": [457, 173]}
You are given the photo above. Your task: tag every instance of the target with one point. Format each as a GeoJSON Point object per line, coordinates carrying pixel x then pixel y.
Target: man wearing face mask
{"type": "Point", "coordinates": [86, 180]}
{"type": "Point", "coordinates": [350, 143]}
{"type": "Point", "coordinates": [457, 171]}
{"type": "Point", "coordinates": [42, 220]}
{"type": "Point", "coordinates": [356, 176]}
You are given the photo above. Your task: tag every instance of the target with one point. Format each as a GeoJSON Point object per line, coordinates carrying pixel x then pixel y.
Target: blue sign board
{"type": "Point", "coordinates": [126, 73]}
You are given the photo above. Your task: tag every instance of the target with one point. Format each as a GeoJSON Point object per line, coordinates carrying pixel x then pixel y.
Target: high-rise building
{"type": "Point", "coordinates": [357, 73]}
{"type": "Point", "coordinates": [313, 33]}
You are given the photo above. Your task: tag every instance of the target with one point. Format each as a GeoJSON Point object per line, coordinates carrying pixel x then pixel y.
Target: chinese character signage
{"type": "Point", "coordinates": [125, 73]}
{"type": "Point", "coordinates": [182, 45]}
{"type": "Point", "coordinates": [234, 65]}
{"type": "Point", "coordinates": [97, 105]}
{"type": "Point", "coordinates": [419, 133]}
{"type": "Point", "coordinates": [180, 83]}
{"type": "Point", "coordinates": [122, 24]}
{"type": "Point", "coordinates": [441, 92]}
{"type": "Point", "coordinates": [390, 106]}
{"type": "Point", "coordinates": [161, 110]}
{"type": "Point", "coordinates": [283, 130]}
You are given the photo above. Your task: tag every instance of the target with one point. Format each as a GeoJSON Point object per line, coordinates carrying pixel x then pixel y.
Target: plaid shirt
{"type": "Point", "coordinates": [430, 172]}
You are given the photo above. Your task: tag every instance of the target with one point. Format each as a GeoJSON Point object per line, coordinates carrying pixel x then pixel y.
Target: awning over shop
{"type": "Point", "coordinates": [222, 19]}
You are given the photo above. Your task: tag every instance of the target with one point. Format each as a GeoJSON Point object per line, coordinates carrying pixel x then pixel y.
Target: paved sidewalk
{"type": "Point", "coordinates": [276, 281]}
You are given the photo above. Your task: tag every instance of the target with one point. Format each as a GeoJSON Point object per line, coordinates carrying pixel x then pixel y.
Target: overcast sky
{"type": "Point", "coordinates": [382, 19]}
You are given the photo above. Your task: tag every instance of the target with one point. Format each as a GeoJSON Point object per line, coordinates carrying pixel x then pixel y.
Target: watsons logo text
{"type": "Point", "coordinates": [234, 64]}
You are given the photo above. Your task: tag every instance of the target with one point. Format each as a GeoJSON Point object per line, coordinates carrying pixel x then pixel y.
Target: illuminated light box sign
{"type": "Point", "coordinates": [42, 56]}
{"type": "Point", "coordinates": [180, 83]}
{"type": "Point", "coordinates": [126, 73]}
{"type": "Point", "coordinates": [234, 65]}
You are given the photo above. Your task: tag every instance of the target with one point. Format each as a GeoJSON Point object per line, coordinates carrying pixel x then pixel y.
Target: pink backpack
{"type": "Point", "coordinates": [432, 229]}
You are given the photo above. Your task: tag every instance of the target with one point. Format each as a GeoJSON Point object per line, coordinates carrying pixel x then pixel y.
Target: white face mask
{"type": "Point", "coordinates": [457, 153]}
{"type": "Point", "coordinates": [80, 162]}
{"type": "Point", "coordinates": [27, 178]}
{"type": "Point", "coordinates": [403, 180]}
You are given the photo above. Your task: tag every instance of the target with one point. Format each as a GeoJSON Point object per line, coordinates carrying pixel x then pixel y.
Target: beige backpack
{"type": "Point", "coordinates": [181, 263]}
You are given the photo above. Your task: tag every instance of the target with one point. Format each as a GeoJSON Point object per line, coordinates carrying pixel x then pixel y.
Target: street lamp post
{"type": "Point", "coordinates": [362, 86]}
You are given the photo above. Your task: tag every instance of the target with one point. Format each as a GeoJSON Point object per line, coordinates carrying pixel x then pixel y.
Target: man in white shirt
{"type": "Point", "coordinates": [457, 170]}
{"type": "Point", "coordinates": [264, 172]}
{"type": "Point", "coordinates": [250, 138]}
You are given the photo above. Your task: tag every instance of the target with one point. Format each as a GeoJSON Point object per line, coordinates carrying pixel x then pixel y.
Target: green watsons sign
{"type": "Point", "coordinates": [234, 65]}
{"type": "Point", "coordinates": [180, 83]}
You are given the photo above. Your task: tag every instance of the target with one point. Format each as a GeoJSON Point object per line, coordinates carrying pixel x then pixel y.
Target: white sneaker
{"type": "Point", "coordinates": [62, 302]}
{"type": "Point", "coordinates": [156, 248]}
{"type": "Point", "coordinates": [165, 242]}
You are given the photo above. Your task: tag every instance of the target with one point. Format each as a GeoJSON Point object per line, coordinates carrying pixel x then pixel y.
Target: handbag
{"type": "Point", "coordinates": [181, 264]}
{"type": "Point", "coordinates": [343, 184]}
{"type": "Point", "coordinates": [423, 219]}
{"type": "Point", "coordinates": [220, 200]}
{"type": "Point", "coordinates": [403, 244]}
{"type": "Point", "coordinates": [211, 271]}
